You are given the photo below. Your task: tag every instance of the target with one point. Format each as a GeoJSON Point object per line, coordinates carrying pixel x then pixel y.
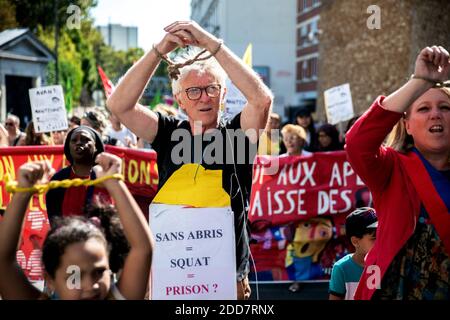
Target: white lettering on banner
{"type": "Point", "coordinates": [301, 187]}
{"type": "Point", "coordinates": [327, 201]}
{"type": "Point", "coordinates": [287, 202]}
{"type": "Point", "coordinates": [269, 201]}
{"type": "Point", "coordinates": [359, 182]}
{"type": "Point", "coordinates": [339, 175]}
{"type": "Point", "coordinates": [278, 201]}
{"type": "Point", "coordinates": [194, 256]}
{"type": "Point", "coordinates": [291, 174]}
{"type": "Point", "coordinates": [281, 197]}
{"type": "Point", "coordinates": [335, 175]}
{"type": "Point", "coordinates": [257, 206]}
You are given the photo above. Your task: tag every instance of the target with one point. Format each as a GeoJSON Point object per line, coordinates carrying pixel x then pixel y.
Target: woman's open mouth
{"type": "Point", "coordinates": [436, 129]}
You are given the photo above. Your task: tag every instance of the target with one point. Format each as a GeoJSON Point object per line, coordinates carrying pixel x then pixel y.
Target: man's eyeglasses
{"type": "Point", "coordinates": [9, 124]}
{"type": "Point", "coordinates": [195, 93]}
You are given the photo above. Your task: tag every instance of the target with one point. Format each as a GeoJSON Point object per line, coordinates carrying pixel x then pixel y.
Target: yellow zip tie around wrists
{"type": "Point", "coordinates": [11, 186]}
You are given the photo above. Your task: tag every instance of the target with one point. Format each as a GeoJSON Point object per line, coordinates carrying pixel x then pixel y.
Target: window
{"type": "Point", "coordinates": [299, 70]}
{"type": "Point", "coordinates": [313, 32]}
{"type": "Point", "coordinates": [314, 62]}
{"type": "Point", "coordinates": [303, 35]}
{"type": "Point", "coordinates": [305, 70]}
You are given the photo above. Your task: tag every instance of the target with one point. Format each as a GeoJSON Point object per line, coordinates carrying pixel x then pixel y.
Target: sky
{"type": "Point", "coordinates": [150, 16]}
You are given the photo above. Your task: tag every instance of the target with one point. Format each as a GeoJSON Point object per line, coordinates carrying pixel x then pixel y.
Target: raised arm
{"type": "Point", "coordinates": [259, 97]}
{"type": "Point", "coordinates": [363, 141]}
{"type": "Point", "coordinates": [135, 275]}
{"type": "Point", "coordinates": [432, 66]}
{"type": "Point", "coordinates": [123, 102]}
{"type": "Point", "coordinates": [13, 282]}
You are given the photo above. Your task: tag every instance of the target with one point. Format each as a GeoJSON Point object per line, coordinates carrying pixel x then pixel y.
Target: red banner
{"type": "Point", "coordinates": [287, 189]}
{"type": "Point", "coordinates": [139, 170]}
{"type": "Point", "coordinates": [297, 212]}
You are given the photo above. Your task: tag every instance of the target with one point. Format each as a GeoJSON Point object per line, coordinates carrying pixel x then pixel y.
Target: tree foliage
{"type": "Point", "coordinates": [80, 49]}
{"type": "Point", "coordinates": [30, 14]}
{"type": "Point", "coordinates": [7, 15]}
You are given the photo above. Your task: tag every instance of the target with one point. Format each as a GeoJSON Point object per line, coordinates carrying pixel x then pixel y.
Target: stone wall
{"type": "Point", "coordinates": [375, 61]}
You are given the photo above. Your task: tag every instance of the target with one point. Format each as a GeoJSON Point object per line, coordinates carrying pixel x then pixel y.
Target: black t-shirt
{"type": "Point", "coordinates": [236, 177]}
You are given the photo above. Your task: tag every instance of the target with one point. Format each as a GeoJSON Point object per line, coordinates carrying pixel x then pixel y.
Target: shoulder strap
{"type": "Point", "coordinates": [16, 140]}
{"type": "Point", "coordinates": [429, 197]}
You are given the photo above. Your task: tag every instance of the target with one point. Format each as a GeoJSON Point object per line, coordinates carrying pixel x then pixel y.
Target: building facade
{"type": "Point", "coordinates": [119, 37]}
{"type": "Point", "coordinates": [376, 61]}
{"type": "Point", "coordinates": [307, 53]}
{"type": "Point", "coordinates": [23, 65]}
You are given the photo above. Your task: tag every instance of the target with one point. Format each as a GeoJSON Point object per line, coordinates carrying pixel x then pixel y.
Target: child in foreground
{"type": "Point", "coordinates": [77, 246]}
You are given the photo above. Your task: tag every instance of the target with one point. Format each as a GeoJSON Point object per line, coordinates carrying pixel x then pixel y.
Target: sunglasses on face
{"type": "Point", "coordinates": [195, 93]}
{"type": "Point", "coordinates": [9, 124]}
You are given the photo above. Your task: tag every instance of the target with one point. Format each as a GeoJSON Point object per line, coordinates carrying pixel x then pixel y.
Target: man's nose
{"type": "Point", "coordinates": [204, 97]}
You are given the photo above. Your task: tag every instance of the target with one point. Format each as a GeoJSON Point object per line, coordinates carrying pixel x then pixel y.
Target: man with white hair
{"type": "Point", "coordinates": [199, 89]}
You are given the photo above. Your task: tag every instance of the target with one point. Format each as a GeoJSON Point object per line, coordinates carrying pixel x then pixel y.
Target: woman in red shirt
{"type": "Point", "coordinates": [410, 183]}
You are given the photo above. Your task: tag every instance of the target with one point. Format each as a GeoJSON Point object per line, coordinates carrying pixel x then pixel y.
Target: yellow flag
{"type": "Point", "coordinates": [247, 58]}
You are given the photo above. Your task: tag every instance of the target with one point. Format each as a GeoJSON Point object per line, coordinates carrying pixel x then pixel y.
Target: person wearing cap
{"type": "Point", "coordinates": [360, 228]}
{"type": "Point", "coordinates": [81, 147]}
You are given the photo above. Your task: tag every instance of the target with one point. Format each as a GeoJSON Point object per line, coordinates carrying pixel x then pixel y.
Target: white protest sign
{"type": "Point", "coordinates": [48, 109]}
{"type": "Point", "coordinates": [338, 104]}
{"type": "Point", "coordinates": [234, 100]}
{"type": "Point", "coordinates": [194, 256]}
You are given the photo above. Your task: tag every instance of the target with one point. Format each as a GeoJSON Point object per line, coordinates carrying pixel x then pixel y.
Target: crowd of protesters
{"type": "Point", "coordinates": [405, 235]}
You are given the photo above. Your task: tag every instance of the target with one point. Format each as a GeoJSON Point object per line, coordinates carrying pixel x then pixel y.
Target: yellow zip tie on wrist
{"type": "Point", "coordinates": [11, 186]}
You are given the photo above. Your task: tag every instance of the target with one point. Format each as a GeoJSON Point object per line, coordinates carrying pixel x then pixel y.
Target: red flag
{"type": "Point", "coordinates": [107, 84]}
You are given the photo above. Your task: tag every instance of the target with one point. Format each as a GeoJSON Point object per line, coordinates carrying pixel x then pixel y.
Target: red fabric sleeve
{"type": "Point", "coordinates": [370, 160]}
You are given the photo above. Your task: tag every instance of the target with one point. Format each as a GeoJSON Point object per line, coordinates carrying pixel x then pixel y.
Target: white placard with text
{"type": "Point", "coordinates": [338, 104]}
{"type": "Point", "coordinates": [194, 256]}
{"type": "Point", "coordinates": [234, 100]}
{"type": "Point", "coordinates": [48, 109]}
